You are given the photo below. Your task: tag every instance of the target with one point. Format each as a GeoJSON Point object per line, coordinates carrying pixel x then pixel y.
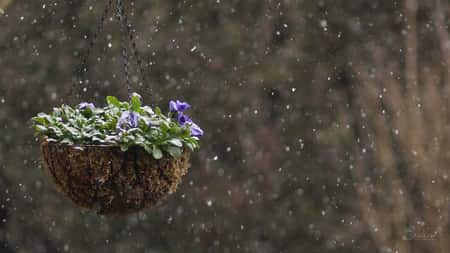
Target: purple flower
{"type": "Point", "coordinates": [196, 130]}
{"type": "Point", "coordinates": [83, 106]}
{"type": "Point", "coordinates": [134, 119]}
{"type": "Point", "coordinates": [183, 119]}
{"type": "Point", "coordinates": [128, 120]}
{"type": "Point", "coordinates": [178, 106]}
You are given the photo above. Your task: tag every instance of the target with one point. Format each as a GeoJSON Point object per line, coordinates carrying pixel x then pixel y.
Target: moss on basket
{"type": "Point", "coordinates": [109, 180]}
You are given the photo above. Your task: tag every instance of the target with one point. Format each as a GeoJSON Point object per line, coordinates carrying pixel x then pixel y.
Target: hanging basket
{"type": "Point", "coordinates": [98, 175]}
{"type": "Point", "coordinates": [109, 181]}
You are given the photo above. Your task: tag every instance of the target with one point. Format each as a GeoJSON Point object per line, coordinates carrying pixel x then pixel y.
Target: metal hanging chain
{"type": "Point", "coordinates": [125, 57]}
{"type": "Point", "coordinates": [127, 35]}
{"type": "Point", "coordinates": [83, 69]}
{"type": "Point", "coordinates": [126, 28]}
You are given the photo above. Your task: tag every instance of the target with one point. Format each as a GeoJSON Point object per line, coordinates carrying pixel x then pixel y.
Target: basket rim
{"type": "Point", "coordinates": [99, 146]}
{"type": "Point", "coordinates": [45, 140]}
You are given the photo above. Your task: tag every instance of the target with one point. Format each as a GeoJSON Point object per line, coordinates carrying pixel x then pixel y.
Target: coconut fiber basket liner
{"type": "Point", "coordinates": [110, 181]}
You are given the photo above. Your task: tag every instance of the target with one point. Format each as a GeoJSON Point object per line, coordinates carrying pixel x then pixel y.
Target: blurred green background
{"type": "Point", "coordinates": [327, 123]}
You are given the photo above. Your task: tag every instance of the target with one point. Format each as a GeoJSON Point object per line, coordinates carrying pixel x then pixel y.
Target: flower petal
{"type": "Point", "coordinates": [196, 130]}
{"type": "Point", "coordinates": [182, 106]}
{"type": "Point", "coordinates": [173, 106]}
{"type": "Point", "coordinates": [85, 105]}
{"type": "Point", "coordinates": [183, 119]}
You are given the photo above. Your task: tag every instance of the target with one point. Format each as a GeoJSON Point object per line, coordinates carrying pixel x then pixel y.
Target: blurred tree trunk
{"type": "Point", "coordinates": [4, 4]}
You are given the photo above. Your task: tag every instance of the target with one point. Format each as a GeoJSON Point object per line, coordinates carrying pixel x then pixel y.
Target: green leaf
{"type": "Point", "coordinates": [73, 131]}
{"type": "Point", "coordinates": [190, 146]}
{"type": "Point", "coordinates": [97, 139]}
{"type": "Point", "coordinates": [40, 128]}
{"type": "Point", "coordinates": [125, 105]}
{"type": "Point", "coordinates": [176, 142]}
{"type": "Point", "coordinates": [164, 126]}
{"type": "Point", "coordinates": [148, 148]}
{"type": "Point", "coordinates": [157, 153]}
{"type": "Point", "coordinates": [148, 110]}
{"type": "Point", "coordinates": [67, 141]}
{"type": "Point", "coordinates": [158, 111]}
{"type": "Point", "coordinates": [136, 102]}
{"type": "Point", "coordinates": [56, 131]}
{"type": "Point", "coordinates": [113, 101]}
{"type": "Point", "coordinates": [124, 147]}
{"type": "Point", "coordinates": [42, 118]}
{"type": "Point", "coordinates": [174, 151]}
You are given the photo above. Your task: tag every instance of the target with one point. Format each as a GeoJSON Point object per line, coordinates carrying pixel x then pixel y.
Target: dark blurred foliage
{"type": "Point", "coordinates": [281, 90]}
